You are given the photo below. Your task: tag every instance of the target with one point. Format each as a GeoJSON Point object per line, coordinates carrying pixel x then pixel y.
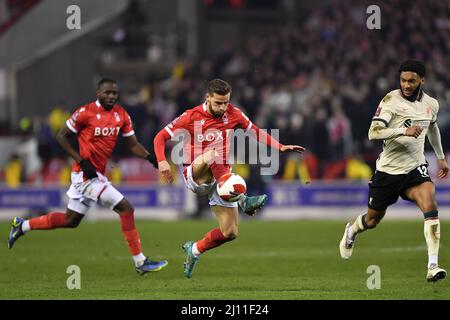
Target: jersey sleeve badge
{"type": "Point", "coordinates": [377, 113]}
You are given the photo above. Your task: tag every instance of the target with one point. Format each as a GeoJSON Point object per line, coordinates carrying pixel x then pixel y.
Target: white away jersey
{"type": "Point", "coordinates": [403, 154]}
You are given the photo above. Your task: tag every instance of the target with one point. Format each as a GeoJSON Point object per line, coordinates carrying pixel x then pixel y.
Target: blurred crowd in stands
{"type": "Point", "coordinates": [319, 82]}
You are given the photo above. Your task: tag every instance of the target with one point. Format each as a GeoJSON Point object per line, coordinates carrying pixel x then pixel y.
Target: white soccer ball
{"type": "Point", "coordinates": [230, 187]}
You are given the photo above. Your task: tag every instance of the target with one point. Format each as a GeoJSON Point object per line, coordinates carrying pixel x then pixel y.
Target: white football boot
{"type": "Point", "coordinates": [346, 245]}
{"type": "Point", "coordinates": [435, 273]}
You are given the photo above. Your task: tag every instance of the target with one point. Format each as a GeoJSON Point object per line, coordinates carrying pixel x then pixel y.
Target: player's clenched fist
{"type": "Point", "coordinates": [414, 131]}
{"type": "Point", "coordinates": [165, 171]}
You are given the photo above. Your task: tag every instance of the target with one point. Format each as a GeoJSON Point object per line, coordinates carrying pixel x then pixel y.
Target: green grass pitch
{"type": "Point", "coordinates": [269, 260]}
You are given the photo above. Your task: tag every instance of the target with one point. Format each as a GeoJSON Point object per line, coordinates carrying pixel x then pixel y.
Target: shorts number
{"type": "Point", "coordinates": [423, 171]}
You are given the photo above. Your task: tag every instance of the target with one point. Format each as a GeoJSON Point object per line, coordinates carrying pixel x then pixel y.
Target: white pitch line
{"type": "Point", "coordinates": [404, 249]}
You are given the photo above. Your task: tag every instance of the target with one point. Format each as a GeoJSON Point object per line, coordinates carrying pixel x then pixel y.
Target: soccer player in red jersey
{"type": "Point", "coordinates": [97, 126]}
{"type": "Point", "coordinates": [208, 129]}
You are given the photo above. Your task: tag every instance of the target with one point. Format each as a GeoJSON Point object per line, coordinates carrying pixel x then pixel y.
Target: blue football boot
{"type": "Point", "coordinates": [151, 266]}
{"type": "Point", "coordinates": [191, 260]}
{"type": "Point", "coordinates": [250, 204]}
{"type": "Point", "coordinates": [16, 231]}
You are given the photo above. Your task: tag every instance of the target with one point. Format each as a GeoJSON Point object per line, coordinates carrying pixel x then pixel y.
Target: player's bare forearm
{"type": "Point", "coordinates": [136, 147]}
{"type": "Point", "coordinates": [138, 150]}
{"type": "Point", "coordinates": [63, 137]}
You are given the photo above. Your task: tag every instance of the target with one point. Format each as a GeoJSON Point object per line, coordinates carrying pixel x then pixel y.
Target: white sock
{"type": "Point", "coordinates": [432, 260]}
{"type": "Point", "coordinates": [26, 226]}
{"type": "Point", "coordinates": [357, 227]}
{"type": "Point", "coordinates": [195, 251]}
{"type": "Point", "coordinates": [352, 232]}
{"type": "Point", "coordinates": [432, 233]}
{"type": "Point", "coordinates": [139, 259]}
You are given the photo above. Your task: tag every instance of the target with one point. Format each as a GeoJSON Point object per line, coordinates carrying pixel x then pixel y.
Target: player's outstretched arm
{"type": "Point", "coordinates": [139, 151]}
{"type": "Point", "coordinates": [265, 138]}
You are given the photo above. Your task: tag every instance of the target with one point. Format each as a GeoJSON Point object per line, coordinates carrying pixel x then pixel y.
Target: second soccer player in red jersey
{"type": "Point", "coordinates": [97, 126]}
{"type": "Point", "coordinates": [208, 129]}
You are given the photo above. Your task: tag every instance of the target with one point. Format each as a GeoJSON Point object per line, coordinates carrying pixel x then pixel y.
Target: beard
{"type": "Point", "coordinates": [106, 105]}
{"type": "Point", "coordinates": [414, 95]}
{"type": "Point", "coordinates": [215, 114]}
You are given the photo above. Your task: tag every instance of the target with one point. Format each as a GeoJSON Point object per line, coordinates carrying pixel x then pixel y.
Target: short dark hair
{"type": "Point", "coordinates": [218, 86]}
{"type": "Point", "coordinates": [105, 80]}
{"type": "Point", "coordinates": [413, 66]}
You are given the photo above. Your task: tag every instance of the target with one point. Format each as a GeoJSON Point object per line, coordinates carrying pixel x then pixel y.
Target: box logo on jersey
{"type": "Point", "coordinates": [210, 136]}
{"type": "Point", "coordinates": [114, 131]}
{"type": "Point", "coordinates": [213, 135]}
{"type": "Point", "coordinates": [377, 113]}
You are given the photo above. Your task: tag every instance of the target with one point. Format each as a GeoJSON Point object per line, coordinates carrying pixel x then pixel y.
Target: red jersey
{"type": "Point", "coordinates": [206, 132]}
{"type": "Point", "coordinates": [97, 130]}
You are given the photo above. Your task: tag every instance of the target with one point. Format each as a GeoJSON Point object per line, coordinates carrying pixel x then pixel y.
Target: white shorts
{"type": "Point", "coordinates": [209, 189]}
{"type": "Point", "coordinates": [109, 196]}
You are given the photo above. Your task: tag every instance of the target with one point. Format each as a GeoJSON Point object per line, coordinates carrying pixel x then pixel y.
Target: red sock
{"type": "Point", "coordinates": [130, 232]}
{"type": "Point", "coordinates": [49, 221]}
{"type": "Point", "coordinates": [212, 239]}
{"type": "Point", "coordinates": [219, 170]}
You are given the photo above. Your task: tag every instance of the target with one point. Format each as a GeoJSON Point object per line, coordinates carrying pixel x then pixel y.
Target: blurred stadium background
{"type": "Point", "coordinates": [310, 68]}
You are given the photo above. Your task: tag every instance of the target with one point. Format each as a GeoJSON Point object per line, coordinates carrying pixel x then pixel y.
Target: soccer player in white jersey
{"type": "Point", "coordinates": [403, 118]}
